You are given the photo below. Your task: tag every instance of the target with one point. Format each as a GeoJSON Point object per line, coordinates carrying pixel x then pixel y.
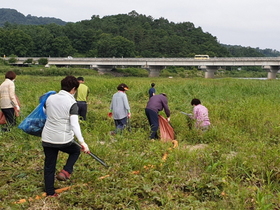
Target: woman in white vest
{"type": "Point", "coordinates": [58, 133]}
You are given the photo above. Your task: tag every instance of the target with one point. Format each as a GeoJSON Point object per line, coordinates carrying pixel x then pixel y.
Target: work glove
{"type": "Point", "coordinates": [85, 147]}
{"type": "Point", "coordinates": [18, 108]}
{"type": "Point", "coordinates": [168, 119]}
{"type": "Point", "coordinates": [110, 114]}
{"type": "Point", "coordinates": [129, 115]}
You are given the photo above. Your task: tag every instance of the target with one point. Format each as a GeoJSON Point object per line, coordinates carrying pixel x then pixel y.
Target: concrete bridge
{"type": "Point", "coordinates": [155, 65]}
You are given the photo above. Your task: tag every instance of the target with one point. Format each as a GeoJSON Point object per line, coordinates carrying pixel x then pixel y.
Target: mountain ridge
{"type": "Point", "coordinates": [14, 17]}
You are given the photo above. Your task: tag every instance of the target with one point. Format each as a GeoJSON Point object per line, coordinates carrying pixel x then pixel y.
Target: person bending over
{"type": "Point", "coordinates": [155, 104]}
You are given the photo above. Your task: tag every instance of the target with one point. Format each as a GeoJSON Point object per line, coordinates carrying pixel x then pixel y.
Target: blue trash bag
{"type": "Point", "coordinates": [34, 123]}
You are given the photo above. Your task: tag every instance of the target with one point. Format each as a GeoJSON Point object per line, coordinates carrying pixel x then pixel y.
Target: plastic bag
{"type": "Point", "coordinates": [34, 123]}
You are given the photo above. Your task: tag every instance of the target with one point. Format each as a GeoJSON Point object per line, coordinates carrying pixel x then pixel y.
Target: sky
{"type": "Point", "coordinates": [248, 23]}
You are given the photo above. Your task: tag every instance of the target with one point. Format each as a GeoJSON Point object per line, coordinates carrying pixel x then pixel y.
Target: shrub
{"type": "Point", "coordinates": [43, 61]}
{"type": "Point", "coordinates": [29, 61]}
{"type": "Point", "coordinates": [12, 60]}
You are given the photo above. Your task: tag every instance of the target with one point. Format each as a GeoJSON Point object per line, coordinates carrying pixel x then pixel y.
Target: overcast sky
{"type": "Point", "coordinates": [253, 23]}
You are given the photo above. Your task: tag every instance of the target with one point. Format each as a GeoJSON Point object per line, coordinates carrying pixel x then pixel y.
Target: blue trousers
{"type": "Point", "coordinates": [120, 124]}
{"type": "Point", "coordinates": [153, 121]}
{"type": "Point", "coordinates": [51, 154]}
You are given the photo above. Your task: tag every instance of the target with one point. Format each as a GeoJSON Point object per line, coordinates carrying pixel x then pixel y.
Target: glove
{"type": "Point", "coordinates": [129, 115]}
{"type": "Point", "coordinates": [18, 108]}
{"type": "Point", "coordinates": [168, 119]}
{"type": "Point", "coordinates": [110, 114]}
{"type": "Point", "coordinates": [85, 147]}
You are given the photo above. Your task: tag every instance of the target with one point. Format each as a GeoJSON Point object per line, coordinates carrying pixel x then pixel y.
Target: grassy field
{"type": "Point", "coordinates": [235, 165]}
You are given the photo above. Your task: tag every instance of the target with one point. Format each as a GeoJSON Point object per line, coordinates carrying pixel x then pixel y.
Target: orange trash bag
{"type": "Point", "coordinates": [166, 131]}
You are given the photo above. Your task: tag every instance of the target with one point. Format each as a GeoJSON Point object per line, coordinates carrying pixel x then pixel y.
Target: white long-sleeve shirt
{"type": "Point", "coordinates": [58, 128]}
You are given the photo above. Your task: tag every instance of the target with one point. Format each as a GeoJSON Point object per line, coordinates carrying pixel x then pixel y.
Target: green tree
{"type": "Point", "coordinates": [109, 46]}
{"type": "Point", "coordinates": [15, 42]}
{"type": "Point", "coordinates": [41, 38]}
{"type": "Point", "coordinates": [61, 47]}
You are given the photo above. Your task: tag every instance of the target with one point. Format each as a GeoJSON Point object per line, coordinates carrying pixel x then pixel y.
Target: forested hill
{"type": "Point", "coordinates": [122, 35]}
{"type": "Point", "coordinates": [13, 16]}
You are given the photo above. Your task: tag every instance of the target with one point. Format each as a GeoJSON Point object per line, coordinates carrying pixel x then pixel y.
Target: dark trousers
{"type": "Point", "coordinates": [10, 116]}
{"type": "Point", "coordinates": [51, 154]}
{"type": "Point", "coordinates": [82, 109]}
{"type": "Point", "coordinates": [153, 121]}
{"type": "Point", "coordinates": [120, 124]}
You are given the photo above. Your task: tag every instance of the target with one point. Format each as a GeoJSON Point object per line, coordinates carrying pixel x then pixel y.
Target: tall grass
{"type": "Point", "coordinates": [234, 165]}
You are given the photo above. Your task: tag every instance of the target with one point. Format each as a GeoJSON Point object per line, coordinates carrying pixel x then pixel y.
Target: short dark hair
{"type": "Point", "coordinates": [69, 82]}
{"type": "Point", "coordinates": [10, 75]}
{"type": "Point", "coordinates": [153, 84]}
{"type": "Point", "coordinates": [195, 101]}
{"type": "Point", "coordinates": [80, 79]}
{"type": "Point", "coordinates": [122, 87]}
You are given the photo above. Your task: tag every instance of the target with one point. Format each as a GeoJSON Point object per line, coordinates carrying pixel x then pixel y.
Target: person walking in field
{"type": "Point", "coordinates": [82, 97]}
{"type": "Point", "coordinates": [152, 90]}
{"type": "Point", "coordinates": [155, 104]}
{"type": "Point", "coordinates": [120, 109]}
{"type": "Point", "coordinates": [8, 101]}
{"type": "Point", "coordinates": [58, 134]}
{"type": "Point", "coordinates": [200, 115]}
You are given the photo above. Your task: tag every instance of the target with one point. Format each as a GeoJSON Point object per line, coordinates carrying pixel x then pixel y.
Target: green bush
{"type": "Point", "coordinates": [12, 60]}
{"type": "Point", "coordinates": [43, 61]}
{"type": "Point", "coordinates": [29, 61]}
{"type": "Point", "coordinates": [132, 72]}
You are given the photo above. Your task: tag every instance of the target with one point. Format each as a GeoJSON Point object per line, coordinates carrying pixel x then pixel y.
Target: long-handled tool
{"type": "Point", "coordinates": [189, 115]}
{"type": "Point", "coordinates": [94, 156]}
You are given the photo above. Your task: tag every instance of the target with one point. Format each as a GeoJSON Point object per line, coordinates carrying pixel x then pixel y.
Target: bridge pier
{"type": "Point", "coordinates": [209, 71]}
{"type": "Point", "coordinates": [154, 71]}
{"type": "Point", "coordinates": [271, 71]}
{"type": "Point", "coordinates": [102, 69]}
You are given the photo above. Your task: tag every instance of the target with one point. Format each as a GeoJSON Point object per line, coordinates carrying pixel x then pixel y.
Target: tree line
{"type": "Point", "coordinates": [122, 35]}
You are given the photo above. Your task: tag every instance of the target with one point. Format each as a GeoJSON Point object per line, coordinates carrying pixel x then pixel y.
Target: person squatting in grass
{"type": "Point", "coordinates": [120, 109]}
{"type": "Point", "coordinates": [81, 97]}
{"type": "Point", "coordinates": [155, 104]}
{"type": "Point", "coordinates": [8, 100]}
{"type": "Point", "coordinates": [200, 115]}
{"type": "Point", "coordinates": [58, 134]}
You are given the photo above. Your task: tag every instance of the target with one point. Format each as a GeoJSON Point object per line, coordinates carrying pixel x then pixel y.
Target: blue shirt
{"type": "Point", "coordinates": [152, 91]}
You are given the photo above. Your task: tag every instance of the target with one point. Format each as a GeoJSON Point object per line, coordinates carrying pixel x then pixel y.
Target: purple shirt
{"type": "Point", "coordinates": [158, 103]}
{"type": "Point", "coordinates": [200, 114]}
